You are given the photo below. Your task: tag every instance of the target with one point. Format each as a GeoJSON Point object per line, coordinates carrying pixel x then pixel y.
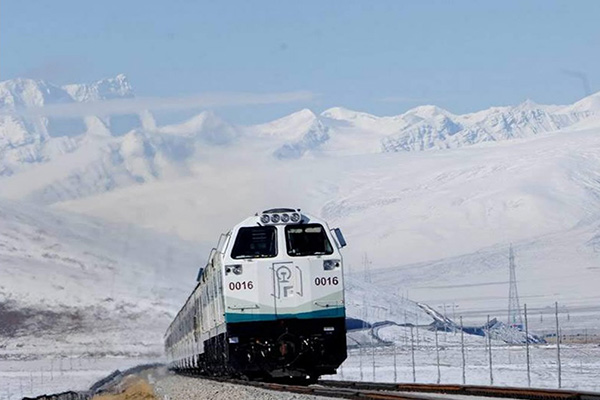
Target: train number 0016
{"type": "Point", "coordinates": [241, 285]}
{"type": "Point", "coordinates": [327, 281]}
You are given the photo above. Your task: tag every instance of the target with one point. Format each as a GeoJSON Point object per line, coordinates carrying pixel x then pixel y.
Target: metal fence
{"type": "Point", "coordinates": [568, 357]}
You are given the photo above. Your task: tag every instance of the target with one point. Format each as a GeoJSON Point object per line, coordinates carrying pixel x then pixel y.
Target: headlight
{"type": "Point", "coordinates": [329, 265]}
{"type": "Point", "coordinates": [275, 218]}
{"type": "Point", "coordinates": [295, 217]}
{"type": "Point", "coordinates": [285, 218]}
{"type": "Point", "coordinates": [264, 219]}
{"type": "Point", "coordinates": [236, 269]}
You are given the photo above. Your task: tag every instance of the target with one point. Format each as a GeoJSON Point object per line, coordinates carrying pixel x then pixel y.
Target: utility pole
{"type": "Point", "coordinates": [527, 348]}
{"type": "Point", "coordinates": [489, 343]}
{"type": "Point", "coordinates": [367, 268]}
{"type": "Point", "coordinates": [558, 346]}
{"type": "Point", "coordinates": [462, 350]}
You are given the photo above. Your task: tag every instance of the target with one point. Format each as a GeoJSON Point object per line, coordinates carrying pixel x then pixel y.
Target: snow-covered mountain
{"type": "Point", "coordinates": [49, 159]}
{"type": "Point", "coordinates": [106, 89]}
{"type": "Point", "coordinates": [290, 137]}
{"type": "Point", "coordinates": [70, 284]}
{"type": "Point", "coordinates": [430, 127]}
{"type": "Point", "coordinates": [26, 141]}
{"type": "Point", "coordinates": [433, 223]}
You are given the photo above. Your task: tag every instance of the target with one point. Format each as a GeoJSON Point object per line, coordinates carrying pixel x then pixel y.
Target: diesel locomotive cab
{"type": "Point", "coordinates": [269, 302]}
{"type": "Point", "coordinates": [284, 297]}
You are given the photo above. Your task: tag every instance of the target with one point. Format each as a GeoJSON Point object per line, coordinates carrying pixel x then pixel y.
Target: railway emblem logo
{"type": "Point", "coordinates": [285, 287]}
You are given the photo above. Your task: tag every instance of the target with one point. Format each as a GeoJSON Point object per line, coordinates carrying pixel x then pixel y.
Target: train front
{"type": "Point", "coordinates": [284, 296]}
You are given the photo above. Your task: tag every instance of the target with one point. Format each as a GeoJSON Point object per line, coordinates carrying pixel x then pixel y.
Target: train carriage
{"type": "Point", "coordinates": [268, 304]}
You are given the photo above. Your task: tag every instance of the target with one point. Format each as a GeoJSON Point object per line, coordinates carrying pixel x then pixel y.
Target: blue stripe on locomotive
{"type": "Point", "coordinates": [338, 312]}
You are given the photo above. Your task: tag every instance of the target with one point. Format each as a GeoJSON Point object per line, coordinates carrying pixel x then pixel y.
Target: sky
{"type": "Point", "coordinates": [382, 57]}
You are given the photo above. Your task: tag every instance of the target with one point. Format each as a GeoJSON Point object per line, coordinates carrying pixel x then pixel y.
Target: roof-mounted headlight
{"type": "Point", "coordinates": [285, 218]}
{"type": "Point", "coordinates": [295, 217]}
{"type": "Point", "coordinates": [265, 219]}
{"type": "Point", "coordinates": [275, 218]}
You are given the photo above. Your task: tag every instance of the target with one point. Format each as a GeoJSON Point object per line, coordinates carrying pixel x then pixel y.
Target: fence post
{"type": "Point", "coordinates": [395, 365]}
{"type": "Point", "coordinates": [417, 324]}
{"type": "Point", "coordinates": [405, 325]}
{"type": "Point", "coordinates": [412, 352]}
{"type": "Point", "coordinates": [373, 353]}
{"type": "Point", "coordinates": [490, 351]}
{"type": "Point", "coordinates": [558, 345]}
{"type": "Point", "coordinates": [360, 353]}
{"type": "Point", "coordinates": [527, 347]}
{"type": "Point", "coordinates": [437, 355]}
{"type": "Point", "coordinates": [462, 350]}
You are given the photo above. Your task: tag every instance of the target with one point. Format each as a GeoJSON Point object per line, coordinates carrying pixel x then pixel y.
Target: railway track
{"type": "Point", "coordinates": [396, 391]}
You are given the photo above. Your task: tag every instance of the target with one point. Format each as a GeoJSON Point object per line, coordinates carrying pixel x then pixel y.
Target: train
{"type": "Point", "coordinates": [268, 305]}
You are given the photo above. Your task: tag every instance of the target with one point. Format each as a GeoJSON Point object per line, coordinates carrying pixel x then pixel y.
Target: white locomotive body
{"type": "Point", "coordinates": [268, 304]}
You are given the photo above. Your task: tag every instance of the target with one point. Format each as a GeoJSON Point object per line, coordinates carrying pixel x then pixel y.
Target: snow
{"type": "Point", "coordinates": [286, 127]}
{"type": "Point", "coordinates": [435, 224]}
{"type": "Point", "coordinates": [427, 202]}
{"type": "Point", "coordinates": [73, 285]}
{"type": "Point", "coordinates": [105, 89]}
{"type": "Point", "coordinates": [30, 378]}
{"type": "Point", "coordinates": [509, 367]}
{"type": "Point", "coordinates": [206, 127]}
{"type": "Point", "coordinates": [34, 143]}
{"type": "Point", "coordinates": [434, 200]}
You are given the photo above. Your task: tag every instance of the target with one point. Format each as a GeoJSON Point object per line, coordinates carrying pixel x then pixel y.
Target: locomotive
{"type": "Point", "coordinates": [268, 305]}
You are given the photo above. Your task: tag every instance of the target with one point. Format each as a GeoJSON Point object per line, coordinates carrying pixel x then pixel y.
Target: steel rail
{"type": "Point", "coordinates": [470, 390]}
{"type": "Point", "coordinates": [400, 391]}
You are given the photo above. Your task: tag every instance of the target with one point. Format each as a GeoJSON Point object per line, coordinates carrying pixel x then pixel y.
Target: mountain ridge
{"type": "Point", "coordinates": [131, 149]}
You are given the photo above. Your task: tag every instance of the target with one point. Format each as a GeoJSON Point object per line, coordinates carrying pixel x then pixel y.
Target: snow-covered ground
{"type": "Point", "coordinates": [75, 285]}
{"type": "Point", "coordinates": [29, 378]}
{"type": "Point", "coordinates": [434, 224]}
{"type": "Point", "coordinates": [579, 363]}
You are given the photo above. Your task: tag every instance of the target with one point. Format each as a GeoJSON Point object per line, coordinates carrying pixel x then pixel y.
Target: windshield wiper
{"type": "Point", "coordinates": [246, 256]}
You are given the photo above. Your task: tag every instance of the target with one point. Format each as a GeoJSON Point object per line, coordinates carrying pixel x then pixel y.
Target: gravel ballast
{"type": "Point", "coordinates": [170, 386]}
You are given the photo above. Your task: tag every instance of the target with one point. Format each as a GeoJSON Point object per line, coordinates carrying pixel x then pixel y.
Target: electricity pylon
{"type": "Point", "coordinates": [514, 308]}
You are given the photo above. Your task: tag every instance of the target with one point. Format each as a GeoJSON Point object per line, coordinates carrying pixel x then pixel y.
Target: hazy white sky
{"type": "Point", "coordinates": [381, 57]}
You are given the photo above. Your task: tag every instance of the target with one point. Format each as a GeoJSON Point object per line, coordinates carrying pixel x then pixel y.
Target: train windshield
{"type": "Point", "coordinates": [255, 242]}
{"type": "Point", "coordinates": [307, 240]}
